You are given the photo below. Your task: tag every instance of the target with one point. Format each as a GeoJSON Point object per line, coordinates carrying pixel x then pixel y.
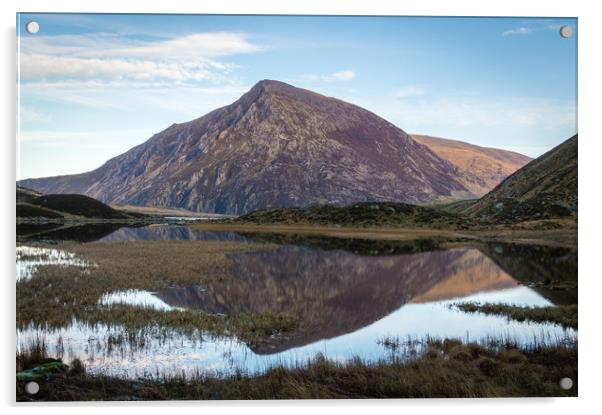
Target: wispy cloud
{"type": "Point", "coordinates": [523, 30]}
{"type": "Point", "coordinates": [99, 44]}
{"type": "Point", "coordinates": [533, 27]}
{"type": "Point", "coordinates": [106, 57]}
{"type": "Point", "coordinates": [409, 91]}
{"type": "Point", "coordinates": [60, 68]}
{"type": "Point", "coordinates": [345, 75]}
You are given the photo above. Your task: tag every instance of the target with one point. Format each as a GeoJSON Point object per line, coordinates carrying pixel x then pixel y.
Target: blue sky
{"type": "Point", "coordinates": [93, 86]}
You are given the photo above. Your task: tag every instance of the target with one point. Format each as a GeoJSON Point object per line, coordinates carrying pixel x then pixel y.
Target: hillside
{"type": "Point", "coordinates": [480, 168]}
{"type": "Point", "coordinates": [277, 146]}
{"type": "Point", "coordinates": [27, 210]}
{"type": "Point", "coordinates": [53, 206]}
{"type": "Point", "coordinates": [544, 188]}
{"type": "Point", "coordinates": [26, 195]}
{"type": "Point", "coordinates": [78, 205]}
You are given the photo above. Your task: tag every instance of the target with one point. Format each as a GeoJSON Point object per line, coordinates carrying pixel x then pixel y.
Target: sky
{"type": "Point", "coordinates": [92, 86]}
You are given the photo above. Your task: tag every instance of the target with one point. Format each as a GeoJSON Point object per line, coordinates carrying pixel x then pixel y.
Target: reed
{"type": "Point", "coordinates": [447, 369]}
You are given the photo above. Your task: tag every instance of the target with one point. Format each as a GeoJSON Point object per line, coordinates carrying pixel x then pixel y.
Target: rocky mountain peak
{"type": "Point", "coordinates": [277, 146]}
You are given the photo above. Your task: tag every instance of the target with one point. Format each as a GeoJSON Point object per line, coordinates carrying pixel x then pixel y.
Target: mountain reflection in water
{"type": "Point", "coordinates": [118, 232]}
{"type": "Point", "coordinates": [166, 232]}
{"type": "Point", "coordinates": [336, 292]}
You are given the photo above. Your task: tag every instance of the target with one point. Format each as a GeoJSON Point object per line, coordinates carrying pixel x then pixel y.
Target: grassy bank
{"type": "Point", "coordinates": [565, 315]}
{"type": "Point", "coordinates": [447, 369]}
{"type": "Point", "coordinates": [361, 214]}
{"type": "Point", "coordinates": [389, 214]}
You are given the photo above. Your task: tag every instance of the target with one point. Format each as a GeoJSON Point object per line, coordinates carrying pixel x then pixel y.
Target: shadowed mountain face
{"type": "Point", "coordinates": [337, 292]}
{"type": "Point", "coordinates": [277, 146]}
{"type": "Point", "coordinates": [481, 168]}
{"type": "Point", "coordinates": [544, 188]}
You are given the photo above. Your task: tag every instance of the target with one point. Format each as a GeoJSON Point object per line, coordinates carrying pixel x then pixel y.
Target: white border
{"type": "Point", "coordinates": [590, 152]}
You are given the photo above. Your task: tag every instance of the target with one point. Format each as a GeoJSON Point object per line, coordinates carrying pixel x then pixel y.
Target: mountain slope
{"type": "Point", "coordinates": [78, 205]}
{"type": "Point", "coordinates": [481, 168]}
{"type": "Point", "coordinates": [277, 146]}
{"type": "Point", "coordinates": [544, 188]}
{"type": "Point", "coordinates": [31, 204]}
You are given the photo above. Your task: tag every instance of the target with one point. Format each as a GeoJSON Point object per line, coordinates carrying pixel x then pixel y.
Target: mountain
{"type": "Point", "coordinates": [544, 188]}
{"type": "Point", "coordinates": [277, 146]}
{"type": "Point", "coordinates": [481, 168]}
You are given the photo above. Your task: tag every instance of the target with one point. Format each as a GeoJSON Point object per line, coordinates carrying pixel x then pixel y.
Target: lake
{"type": "Point", "coordinates": [351, 295]}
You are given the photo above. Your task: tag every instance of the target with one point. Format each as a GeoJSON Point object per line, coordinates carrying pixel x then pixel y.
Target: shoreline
{"type": "Point", "coordinates": [559, 237]}
{"type": "Point", "coordinates": [486, 371]}
{"type": "Point", "coordinates": [564, 237]}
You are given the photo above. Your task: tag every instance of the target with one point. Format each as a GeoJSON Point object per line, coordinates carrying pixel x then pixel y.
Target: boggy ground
{"type": "Point", "coordinates": [447, 369]}
{"type": "Point", "coordinates": [56, 295]}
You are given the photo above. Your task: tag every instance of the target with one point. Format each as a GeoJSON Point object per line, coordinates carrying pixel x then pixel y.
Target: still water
{"type": "Point", "coordinates": [350, 297]}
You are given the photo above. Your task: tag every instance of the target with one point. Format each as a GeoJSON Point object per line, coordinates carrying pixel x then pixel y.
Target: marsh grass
{"type": "Point", "coordinates": [32, 354]}
{"type": "Point", "coordinates": [448, 368]}
{"type": "Point", "coordinates": [565, 315]}
{"type": "Point", "coordinates": [54, 296]}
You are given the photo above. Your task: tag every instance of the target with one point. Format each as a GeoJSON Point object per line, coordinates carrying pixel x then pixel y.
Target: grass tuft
{"type": "Point", "coordinates": [565, 315]}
